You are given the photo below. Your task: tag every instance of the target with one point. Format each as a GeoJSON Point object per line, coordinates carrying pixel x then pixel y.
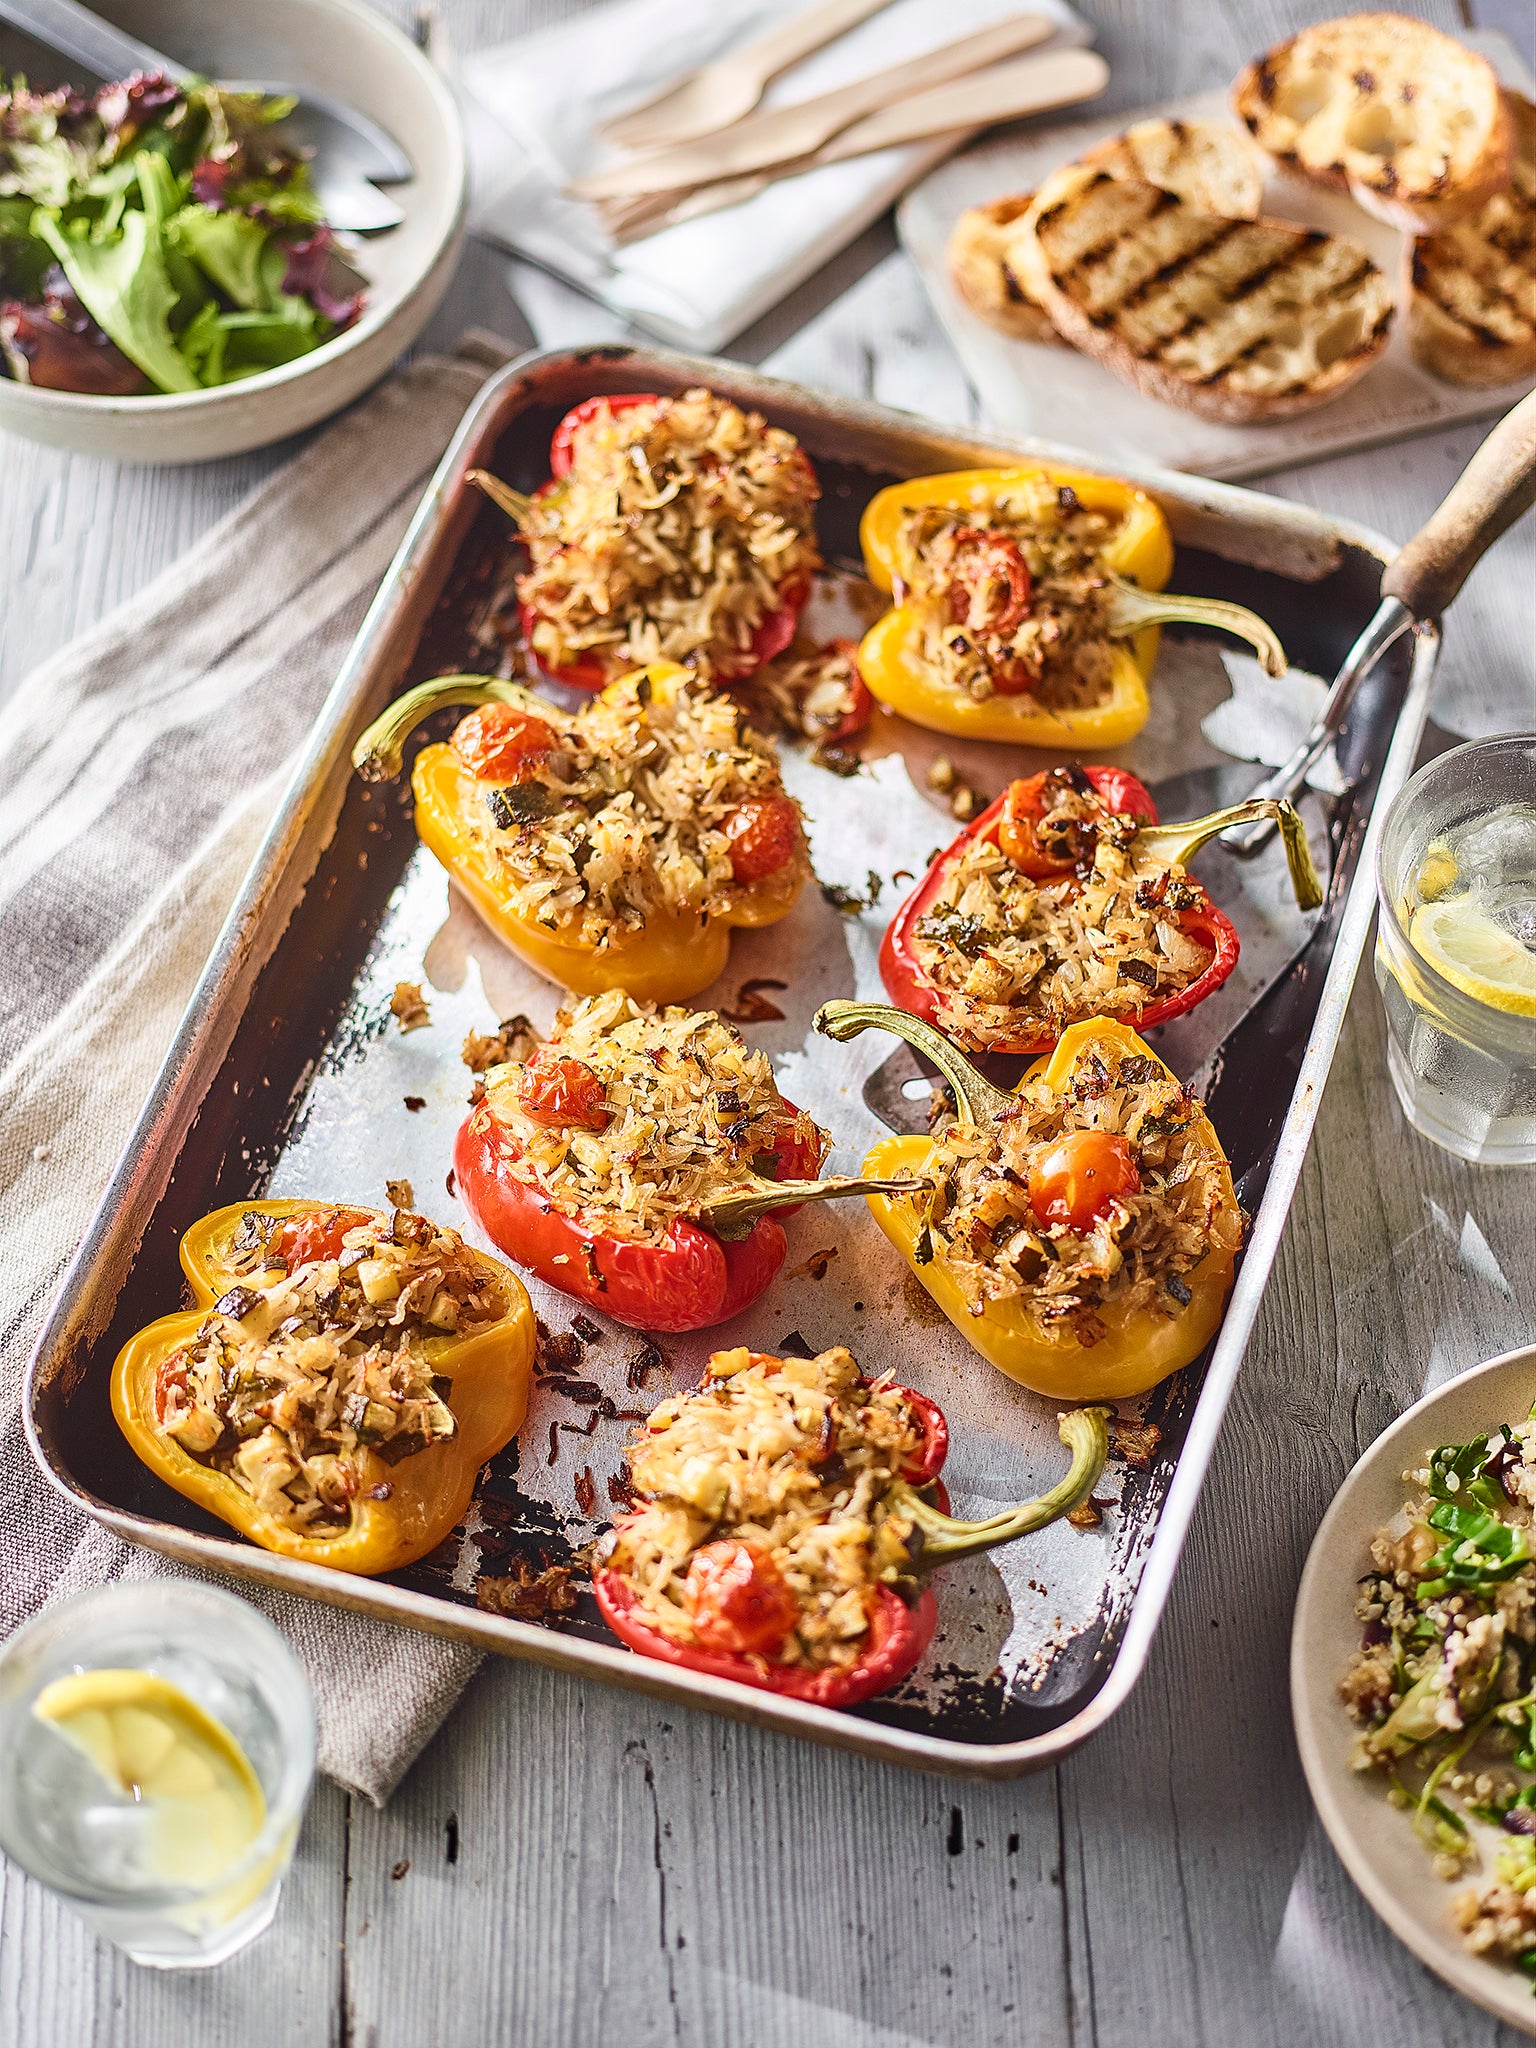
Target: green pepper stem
{"type": "Point", "coordinates": [376, 757]}
{"type": "Point", "coordinates": [516, 504]}
{"type": "Point", "coordinates": [1179, 844]}
{"type": "Point", "coordinates": [979, 1102]}
{"type": "Point", "coordinates": [1084, 1431]}
{"type": "Point", "coordinates": [731, 1216]}
{"type": "Point", "coordinates": [1131, 608]}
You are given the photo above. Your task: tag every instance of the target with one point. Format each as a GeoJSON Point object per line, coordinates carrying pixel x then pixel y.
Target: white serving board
{"type": "Point", "coordinates": [1034, 388]}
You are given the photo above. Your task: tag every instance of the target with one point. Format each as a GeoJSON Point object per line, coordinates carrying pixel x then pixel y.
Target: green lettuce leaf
{"type": "Point", "coordinates": [24, 260]}
{"type": "Point", "coordinates": [122, 280]}
{"type": "Point", "coordinates": [229, 247]}
{"type": "Point", "coordinates": [253, 342]}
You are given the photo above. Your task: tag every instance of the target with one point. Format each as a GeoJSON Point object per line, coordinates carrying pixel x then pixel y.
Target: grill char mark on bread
{"type": "Point", "coordinates": [1407, 120]}
{"type": "Point", "coordinates": [1233, 319]}
{"type": "Point", "coordinates": [1472, 287]}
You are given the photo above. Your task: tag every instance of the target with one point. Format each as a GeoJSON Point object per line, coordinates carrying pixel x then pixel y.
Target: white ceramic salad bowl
{"type": "Point", "coordinates": [344, 48]}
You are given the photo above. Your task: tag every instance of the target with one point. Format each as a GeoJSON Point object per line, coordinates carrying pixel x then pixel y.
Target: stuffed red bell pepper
{"type": "Point", "coordinates": [672, 529]}
{"type": "Point", "coordinates": [790, 1511]}
{"type": "Point", "coordinates": [1064, 900]}
{"type": "Point", "coordinates": [642, 1160]}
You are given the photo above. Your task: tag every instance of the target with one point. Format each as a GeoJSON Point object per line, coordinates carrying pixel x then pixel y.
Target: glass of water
{"type": "Point", "coordinates": [157, 1744]}
{"type": "Point", "coordinates": [1456, 949]}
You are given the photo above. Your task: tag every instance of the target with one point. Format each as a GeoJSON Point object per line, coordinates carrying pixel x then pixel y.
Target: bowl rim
{"type": "Point", "coordinates": [150, 404]}
{"type": "Point", "coordinates": [1489, 1985]}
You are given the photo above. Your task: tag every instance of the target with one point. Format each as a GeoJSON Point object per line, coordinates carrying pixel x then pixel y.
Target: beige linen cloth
{"type": "Point", "coordinates": [138, 770]}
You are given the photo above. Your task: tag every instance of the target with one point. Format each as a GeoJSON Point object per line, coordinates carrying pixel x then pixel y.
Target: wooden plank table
{"type": "Point", "coordinates": [569, 1864]}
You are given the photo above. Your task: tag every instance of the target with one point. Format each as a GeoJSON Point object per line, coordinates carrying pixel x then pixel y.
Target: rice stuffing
{"type": "Point", "coordinates": [638, 810]}
{"type": "Point", "coordinates": [674, 1108]}
{"type": "Point", "coordinates": [1013, 600]}
{"type": "Point", "coordinates": [791, 1457]}
{"type": "Point", "coordinates": [1016, 959]}
{"type": "Point", "coordinates": [681, 525]}
{"type": "Point", "coordinates": [294, 1375]}
{"type": "Point", "coordinates": [981, 1221]}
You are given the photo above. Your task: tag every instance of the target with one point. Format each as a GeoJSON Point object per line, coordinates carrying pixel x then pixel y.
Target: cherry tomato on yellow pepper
{"type": "Point", "coordinates": [1137, 1347]}
{"type": "Point", "coordinates": [428, 1492]}
{"type": "Point", "coordinates": [994, 586]}
{"type": "Point", "coordinates": [674, 955]}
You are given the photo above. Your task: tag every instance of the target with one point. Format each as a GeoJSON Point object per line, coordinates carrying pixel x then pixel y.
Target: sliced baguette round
{"type": "Point", "coordinates": [1235, 320]}
{"type": "Point", "coordinates": [1472, 288]}
{"type": "Point", "coordinates": [984, 275]}
{"type": "Point", "coordinates": [1207, 163]}
{"type": "Point", "coordinates": [1408, 121]}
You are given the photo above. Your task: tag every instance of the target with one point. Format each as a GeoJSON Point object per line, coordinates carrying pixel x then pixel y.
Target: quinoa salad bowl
{"type": "Point", "coordinates": [1431, 1830]}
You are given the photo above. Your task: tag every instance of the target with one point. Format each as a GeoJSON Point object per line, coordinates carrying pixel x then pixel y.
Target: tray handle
{"type": "Point", "coordinates": [1492, 492]}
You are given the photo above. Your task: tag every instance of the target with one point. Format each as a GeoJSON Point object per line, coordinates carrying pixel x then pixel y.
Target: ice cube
{"type": "Point", "coordinates": [1498, 849]}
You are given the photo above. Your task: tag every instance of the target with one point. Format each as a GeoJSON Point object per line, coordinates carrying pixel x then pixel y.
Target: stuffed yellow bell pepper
{"type": "Point", "coordinates": [613, 847]}
{"type": "Point", "coordinates": [1027, 605]}
{"type": "Point", "coordinates": [1080, 1231]}
{"type": "Point", "coordinates": [337, 1386]}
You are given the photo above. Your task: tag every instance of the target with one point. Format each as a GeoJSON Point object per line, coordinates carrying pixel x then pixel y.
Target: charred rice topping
{"type": "Point", "coordinates": [1050, 647]}
{"type": "Point", "coordinates": [294, 1374]}
{"type": "Point", "coordinates": [678, 529]}
{"type": "Point", "coordinates": [815, 696]}
{"type": "Point", "coordinates": [1443, 1686]}
{"type": "Point", "coordinates": [663, 1109]}
{"type": "Point", "coordinates": [1134, 1255]}
{"type": "Point", "coordinates": [638, 809]}
{"type": "Point", "coordinates": [1011, 958]}
{"type": "Point", "coordinates": [790, 1456]}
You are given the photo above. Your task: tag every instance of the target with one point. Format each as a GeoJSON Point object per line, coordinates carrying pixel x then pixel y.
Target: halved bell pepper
{"type": "Point", "coordinates": [671, 958]}
{"type": "Point", "coordinates": [908, 984]}
{"type": "Point", "coordinates": [702, 1271]}
{"type": "Point", "coordinates": [426, 1494]}
{"type": "Point", "coordinates": [774, 630]}
{"type": "Point", "coordinates": [903, 1615]}
{"type": "Point", "coordinates": [1138, 1348]}
{"type": "Point", "coordinates": [1137, 559]}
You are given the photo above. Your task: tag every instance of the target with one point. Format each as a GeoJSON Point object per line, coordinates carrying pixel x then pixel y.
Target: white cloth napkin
{"type": "Point", "coordinates": [530, 110]}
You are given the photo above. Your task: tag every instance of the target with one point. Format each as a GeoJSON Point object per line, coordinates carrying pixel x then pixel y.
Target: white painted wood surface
{"type": "Point", "coordinates": [568, 1864]}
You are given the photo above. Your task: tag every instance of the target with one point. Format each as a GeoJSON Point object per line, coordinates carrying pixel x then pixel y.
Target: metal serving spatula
{"type": "Point", "coordinates": [352, 156]}
{"type": "Point", "coordinates": [1495, 488]}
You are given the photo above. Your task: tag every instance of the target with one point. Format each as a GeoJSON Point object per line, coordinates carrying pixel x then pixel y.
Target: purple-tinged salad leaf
{"type": "Point", "coordinates": [56, 345]}
{"type": "Point", "coordinates": [316, 271]}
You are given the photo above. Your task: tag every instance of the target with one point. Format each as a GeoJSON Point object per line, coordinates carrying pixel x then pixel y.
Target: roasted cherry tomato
{"type": "Point", "coordinates": [989, 582]}
{"type": "Point", "coordinates": [763, 834]}
{"type": "Point", "coordinates": [317, 1234]}
{"type": "Point", "coordinates": [500, 743]}
{"type": "Point", "coordinates": [1070, 843]}
{"type": "Point", "coordinates": [565, 1094]}
{"type": "Point", "coordinates": [737, 1599]}
{"type": "Point", "coordinates": [1075, 1181]}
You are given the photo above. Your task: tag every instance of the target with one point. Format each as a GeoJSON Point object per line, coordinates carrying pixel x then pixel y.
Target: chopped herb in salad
{"type": "Point", "coordinates": [157, 237]}
{"type": "Point", "coordinates": [1443, 1686]}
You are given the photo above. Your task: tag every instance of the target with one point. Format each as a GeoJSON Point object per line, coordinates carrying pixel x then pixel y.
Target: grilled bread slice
{"type": "Point", "coordinates": [1208, 164]}
{"type": "Point", "coordinates": [1472, 287]}
{"type": "Point", "coordinates": [1405, 119]}
{"type": "Point", "coordinates": [1235, 320]}
{"type": "Point", "coordinates": [984, 276]}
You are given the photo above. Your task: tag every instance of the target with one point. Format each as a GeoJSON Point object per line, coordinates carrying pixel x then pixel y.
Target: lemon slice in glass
{"type": "Point", "coordinates": [153, 1744]}
{"type": "Point", "coordinates": [1461, 940]}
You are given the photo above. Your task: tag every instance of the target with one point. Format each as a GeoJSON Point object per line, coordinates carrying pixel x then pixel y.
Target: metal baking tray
{"type": "Point", "coordinates": [288, 1076]}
